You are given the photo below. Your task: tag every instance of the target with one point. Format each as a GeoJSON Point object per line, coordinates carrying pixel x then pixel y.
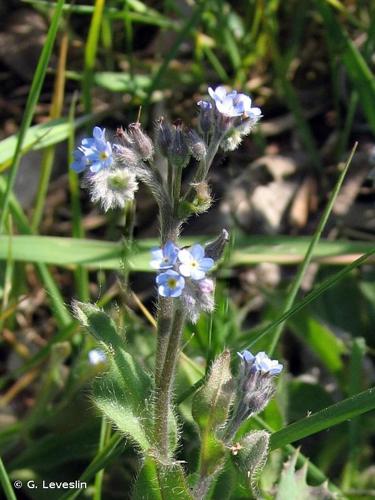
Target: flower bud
{"type": "Point", "coordinates": [196, 145]}
{"type": "Point", "coordinates": [141, 141]}
{"type": "Point", "coordinates": [113, 187]}
{"type": "Point", "coordinates": [202, 201]}
{"type": "Point", "coordinates": [255, 382]}
{"type": "Point", "coordinates": [179, 151]}
{"type": "Point", "coordinates": [231, 141]}
{"type": "Point", "coordinates": [125, 156]}
{"type": "Point", "coordinates": [164, 136]}
{"type": "Point", "coordinates": [215, 248]}
{"type": "Point", "coordinates": [206, 116]}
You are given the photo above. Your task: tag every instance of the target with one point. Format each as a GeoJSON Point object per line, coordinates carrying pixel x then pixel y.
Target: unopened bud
{"type": "Point", "coordinates": [206, 116]}
{"type": "Point", "coordinates": [125, 156]}
{"type": "Point", "coordinates": [141, 141]}
{"type": "Point", "coordinates": [232, 141]}
{"type": "Point", "coordinates": [202, 201]}
{"type": "Point", "coordinates": [216, 248]}
{"type": "Point", "coordinates": [164, 136]}
{"type": "Point", "coordinates": [196, 144]}
{"type": "Point", "coordinates": [179, 150]}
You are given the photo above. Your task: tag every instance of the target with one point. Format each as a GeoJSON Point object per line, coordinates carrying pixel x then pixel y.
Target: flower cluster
{"type": "Point", "coordinates": [255, 387]}
{"type": "Point", "coordinates": [182, 273]}
{"type": "Point", "coordinates": [230, 114]}
{"type": "Point", "coordinates": [112, 169]}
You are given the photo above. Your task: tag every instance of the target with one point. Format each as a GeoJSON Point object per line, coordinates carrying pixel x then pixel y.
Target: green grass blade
{"type": "Point", "coordinates": [324, 419]}
{"type": "Point", "coordinates": [94, 254]}
{"type": "Point", "coordinates": [57, 301]}
{"type": "Point", "coordinates": [359, 73]}
{"type": "Point", "coordinates": [38, 137]}
{"type": "Point", "coordinates": [6, 484]}
{"type": "Point", "coordinates": [308, 257]}
{"type": "Point", "coordinates": [32, 100]}
{"type": "Point", "coordinates": [314, 294]}
{"type": "Point", "coordinates": [90, 53]}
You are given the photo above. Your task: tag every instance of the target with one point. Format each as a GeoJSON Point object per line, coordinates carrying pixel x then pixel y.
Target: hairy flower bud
{"type": "Point", "coordinates": [196, 145]}
{"type": "Point", "coordinates": [255, 387]}
{"type": "Point", "coordinates": [179, 151]}
{"type": "Point", "coordinates": [125, 156]}
{"type": "Point", "coordinates": [206, 117]}
{"type": "Point", "coordinates": [113, 187]}
{"type": "Point", "coordinates": [215, 248]}
{"type": "Point", "coordinates": [231, 141]}
{"type": "Point", "coordinates": [141, 141]}
{"type": "Point", "coordinates": [164, 136]}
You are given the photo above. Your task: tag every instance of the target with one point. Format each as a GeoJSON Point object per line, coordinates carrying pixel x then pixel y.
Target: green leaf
{"type": "Point", "coordinates": [94, 254]}
{"type": "Point", "coordinates": [123, 393]}
{"type": "Point", "coordinates": [293, 485]}
{"type": "Point", "coordinates": [333, 415]}
{"type": "Point", "coordinates": [39, 137]}
{"type": "Point", "coordinates": [157, 481]}
{"type": "Point", "coordinates": [252, 457]}
{"type": "Point", "coordinates": [320, 339]}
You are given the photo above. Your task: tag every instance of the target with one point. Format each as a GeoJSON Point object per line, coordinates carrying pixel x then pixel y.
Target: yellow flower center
{"type": "Point", "coordinates": [194, 263]}
{"type": "Point", "coordinates": [172, 282]}
{"type": "Point", "coordinates": [103, 155]}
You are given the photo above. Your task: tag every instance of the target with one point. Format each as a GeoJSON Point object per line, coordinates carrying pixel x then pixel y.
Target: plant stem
{"type": "Point", "coordinates": [165, 316]}
{"type": "Point", "coordinates": [165, 382]}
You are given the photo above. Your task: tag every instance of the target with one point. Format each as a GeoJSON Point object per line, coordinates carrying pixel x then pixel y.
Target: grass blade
{"type": "Point", "coordinates": [6, 484]}
{"type": "Point", "coordinates": [333, 415]}
{"type": "Point", "coordinates": [308, 257]}
{"type": "Point", "coordinates": [31, 103]}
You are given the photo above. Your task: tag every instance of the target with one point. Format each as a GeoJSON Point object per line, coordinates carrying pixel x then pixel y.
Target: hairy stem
{"type": "Point", "coordinates": [164, 323]}
{"type": "Point", "coordinates": [165, 382]}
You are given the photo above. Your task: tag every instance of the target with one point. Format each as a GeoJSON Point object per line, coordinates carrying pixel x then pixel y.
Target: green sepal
{"type": "Point", "coordinates": [293, 485]}
{"type": "Point", "coordinates": [251, 456]}
{"type": "Point", "coordinates": [159, 481]}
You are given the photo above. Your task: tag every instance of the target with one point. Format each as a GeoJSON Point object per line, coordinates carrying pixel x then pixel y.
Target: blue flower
{"type": "Point", "coordinates": [170, 284]}
{"type": "Point", "coordinates": [164, 258]}
{"type": "Point", "coordinates": [266, 365]}
{"type": "Point", "coordinates": [233, 104]}
{"type": "Point", "coordinates": [194, 264]}
{"type": "Point", "coordinates": [95, 152]}
{"type": "Point", "coordinates": [260, 363]}
{"type": "Point", "coordinates": [81, 161]}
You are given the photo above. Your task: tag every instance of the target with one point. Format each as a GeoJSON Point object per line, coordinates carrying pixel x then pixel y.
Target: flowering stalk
{"type": "Point", "coordinates": [185, 289]}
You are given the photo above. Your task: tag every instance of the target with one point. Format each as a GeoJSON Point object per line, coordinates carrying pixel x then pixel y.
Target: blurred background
{"type": "Point", "coordinates": [308, 64]}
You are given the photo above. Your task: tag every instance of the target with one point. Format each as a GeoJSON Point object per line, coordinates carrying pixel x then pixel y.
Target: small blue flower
{"type": "Point", "coordinates": [260, 363]}
{"type": "Point", "coordinates": [170, 284]}
{"type": "Point", "coordinates": [246, 356]}
{"type": "Point", "coordinates": [266, 365]}
{"type": "Point", "coordinates": [164, 258]}
{"type": "Point", "coordinates": [95, 152]}
{"type": "Point", "coordinates": [81, 161]}
{"type": "Point", "coordinates": [233, 104]}
{"type": "Point", "coordinates": [194, 264]}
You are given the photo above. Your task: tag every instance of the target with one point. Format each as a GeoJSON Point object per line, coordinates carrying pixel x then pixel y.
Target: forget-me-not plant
{"type": "Point", "coordinates": [185, 290]}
